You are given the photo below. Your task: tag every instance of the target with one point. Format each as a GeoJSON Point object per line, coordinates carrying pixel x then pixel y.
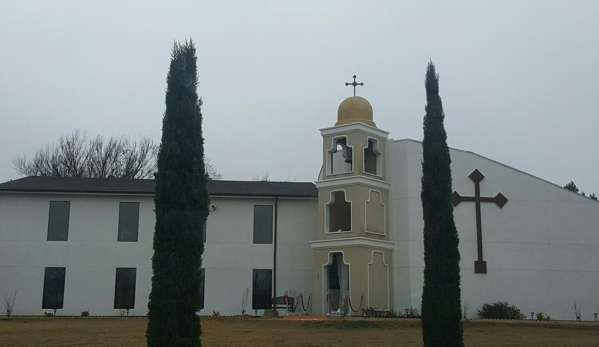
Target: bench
{"type": "Point", "coordinates": [284, 302]}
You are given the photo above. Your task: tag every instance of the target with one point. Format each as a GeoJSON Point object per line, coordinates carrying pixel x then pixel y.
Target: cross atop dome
{"type": "Point", "coordinates": [355, 109]}
{"type": "Point", "coordinates": [354, 84]}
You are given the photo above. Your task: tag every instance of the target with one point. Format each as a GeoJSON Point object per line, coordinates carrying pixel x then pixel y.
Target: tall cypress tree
{"type": "Point", "coordinates": [441, 310]}
{"type": "Point", "coordinates": [181, 210]}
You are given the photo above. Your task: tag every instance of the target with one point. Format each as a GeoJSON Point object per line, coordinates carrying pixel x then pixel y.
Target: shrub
{"type": "Point", "coordinates": [378, 313]}
{"type": "Point", "coordinates": [85, 313]}
{"type": "Point", "coordinates": [500, 310]}
{"type": "Point", "coordinates": [543, 316]}
{"type": "Point", "coordinates": [411, 313]}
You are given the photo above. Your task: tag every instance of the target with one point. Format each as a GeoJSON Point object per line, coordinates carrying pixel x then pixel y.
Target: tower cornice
{"type": "Point", "coordinates": [353, 242]}
{"type": "Point", "coordinates": [353, 180]}
{"type": "Point", "coordinates": [367, 129]}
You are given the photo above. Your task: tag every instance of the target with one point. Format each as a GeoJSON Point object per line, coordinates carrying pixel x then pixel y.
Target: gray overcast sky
{"type": "Point", "coordinates": [518, 78]}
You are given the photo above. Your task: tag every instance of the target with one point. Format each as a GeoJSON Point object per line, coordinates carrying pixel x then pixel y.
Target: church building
{"type": "Point", "coordinates": [348, 241]}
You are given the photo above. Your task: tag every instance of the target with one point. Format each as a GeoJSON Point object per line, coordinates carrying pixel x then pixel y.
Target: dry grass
{"type": "Point", "coordinates": [261, 332]}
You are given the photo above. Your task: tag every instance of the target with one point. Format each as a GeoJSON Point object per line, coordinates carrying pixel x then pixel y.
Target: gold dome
{"type": "Point", "coordinates": [355, 109]}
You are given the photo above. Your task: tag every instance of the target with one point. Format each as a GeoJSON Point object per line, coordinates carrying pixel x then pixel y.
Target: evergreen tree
{"type": "Point", "coordinates": [441, 309]}
{"type": "Point", "coordinates": [571, 186]}
{"type": "Point", "coordinates": [181, 210]}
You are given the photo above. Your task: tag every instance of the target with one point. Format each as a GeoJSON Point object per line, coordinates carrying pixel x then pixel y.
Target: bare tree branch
{"type": "Point", "coordinates": [9, 302]}
{"type": "Point", "coordinates": [211, 170]}
{"type": "Point", "coordinates": [78, 155]}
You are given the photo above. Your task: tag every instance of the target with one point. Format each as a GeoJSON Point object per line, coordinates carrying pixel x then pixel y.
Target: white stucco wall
{"type": "Point", "coordinates": [92, 253]}
{"type": "Point", "coordinates": [541, 248]}
{"type": "Point", "coordinates": [230, 255]}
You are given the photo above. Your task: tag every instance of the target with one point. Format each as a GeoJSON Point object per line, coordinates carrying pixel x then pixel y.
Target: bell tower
{"type": "Point", "coordinates": [352, 255]}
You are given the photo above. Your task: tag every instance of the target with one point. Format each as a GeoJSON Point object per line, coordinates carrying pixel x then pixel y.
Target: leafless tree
{"type": "Point", "coordinates": [263, 178]}
{"type": "Point", "coordinates": [244, 301]}
{"type": "Point", "coordinates": [466, 308]}
{"type": "Point", "coordinates": [9, 302]}
{"type": "Point", "coordinates": [211, 170]}
{"type": "Point", "coordinates": [78, 155]}
{"type": "Point", "coordinates": [576, 309]}
{"type": "Point", "coordinates": [266, 178]}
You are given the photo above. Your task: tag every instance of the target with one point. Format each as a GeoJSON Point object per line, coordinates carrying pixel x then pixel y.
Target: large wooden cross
{"type": "Point", "coordinates": [480, 266]}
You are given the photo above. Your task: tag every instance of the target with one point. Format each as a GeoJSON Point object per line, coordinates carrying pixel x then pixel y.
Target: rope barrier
{"type": "Point", "coordinates": [360, 307]}
{"type": "Point", "coordinates": [330, 301]}
{"type": "Point", "coordinates": [296, 302]}
{"type": "Point", "coordinates": [306, 309]}
{"type": "Point", "coordinates": [345, 300]}
{"type": "Point", "coordinates": [342, 308]}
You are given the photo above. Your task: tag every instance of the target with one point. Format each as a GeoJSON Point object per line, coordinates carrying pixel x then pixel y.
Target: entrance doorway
{"type": "Point", "coordinates": [337, 284]}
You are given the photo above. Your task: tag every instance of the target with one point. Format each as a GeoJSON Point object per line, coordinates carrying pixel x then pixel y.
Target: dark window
{"type": "Point", "coordinates": [263, 224]}
{"type": "Point", "coordinates": [128, 221]}
{"type": "Point", "coordinates": [262, 290]}
{"type": "Point", "coordinates": [58, 221]}
{"type": "Point", "coordinates": [202, 282]}
{"type": "Point", "coordinates": [204, 232]}
{"type": "Point", "coordinates": [54, 278]}
{"type": "Point", "coordinates": [124, 288]}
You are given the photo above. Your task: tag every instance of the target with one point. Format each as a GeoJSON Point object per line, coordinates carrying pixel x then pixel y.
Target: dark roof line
{"type": "Point", "coordinates": [147, 187]}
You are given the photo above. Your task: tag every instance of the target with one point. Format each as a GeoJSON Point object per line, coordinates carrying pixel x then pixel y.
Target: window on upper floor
{"type": "Point", "coordinates": [340, 158]}
{"type": "Point", "coordinates": [58, 221]}
{"type": "Point", "coordinates": [338, 212]}
{"type": "Point", "coordinates": [128, 221]}
{"type": "Point", "coordinates": [263, 224]}
{"type": "Point", "coordinates": [372, 158]}
{"type": "Point", "coordinates": [262, 290]}
{"type": "Point", "coordinates": [53, 296]}
{"type": "Point", "coordinates": [124, 288]}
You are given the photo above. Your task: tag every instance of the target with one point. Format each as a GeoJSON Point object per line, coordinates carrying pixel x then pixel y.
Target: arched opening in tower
{"type": "Point", "coordinates": [372, 158]}
{"type": "Point", "coordinates": [338, 213]}
{"type": "Point", "coordinates": [340, 157]}
{"type": "Point", "coordinates": [337, 278]}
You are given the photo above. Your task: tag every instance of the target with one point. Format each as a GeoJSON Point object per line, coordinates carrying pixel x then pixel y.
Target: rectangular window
{"type": "Point", "coordinates": [204, 232]}
{"type": "Point", "coordinates": [262, 290]}
{"type": "Point", "coordinates": [128, 221]}
{"type": "Point", "coordinates": [58, 220]}
{"type": "Point", "coordinates": [124, 288]}
{"type": "Point", "coordinates": [202, 286]}
{"type": "Point", "coordinates": [263, 224]}
{"type": "Point", "coordinates": [54, 278]}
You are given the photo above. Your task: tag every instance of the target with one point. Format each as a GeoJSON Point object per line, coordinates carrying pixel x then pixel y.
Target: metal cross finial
{"type": "Point", "coordinates": [354, 84]}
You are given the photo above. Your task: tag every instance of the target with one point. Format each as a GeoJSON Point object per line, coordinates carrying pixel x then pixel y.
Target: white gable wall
{"type": "Point", "coordinates": [541, 248]}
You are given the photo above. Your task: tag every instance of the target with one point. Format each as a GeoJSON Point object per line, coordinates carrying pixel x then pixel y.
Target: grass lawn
{"type": "Point", "coordinates": [110, 332]}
